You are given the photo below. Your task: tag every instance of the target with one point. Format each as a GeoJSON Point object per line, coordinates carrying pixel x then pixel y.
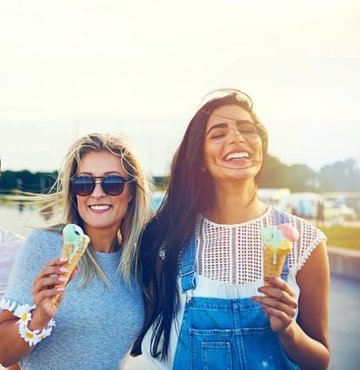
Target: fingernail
{"type": "Point", "coordinates": [63, 259]}
{"type": "Point", "coordinates": [63, 279]}
{"type": "Point", "coordinates": [60, 289]}
{"type": "Point", "coordinates": [63, 269]}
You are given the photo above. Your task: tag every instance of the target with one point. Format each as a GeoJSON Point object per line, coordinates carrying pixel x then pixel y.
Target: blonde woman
{"type": "Point", "coordinates": [102, 189]}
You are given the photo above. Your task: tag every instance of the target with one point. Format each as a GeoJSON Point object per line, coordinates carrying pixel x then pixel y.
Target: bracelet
{"type": "Point", "coordinates": [32, 337]}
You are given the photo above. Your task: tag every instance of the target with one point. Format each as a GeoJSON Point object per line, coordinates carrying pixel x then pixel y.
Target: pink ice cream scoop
{"type": "Point", "coordinates": [289, 231]}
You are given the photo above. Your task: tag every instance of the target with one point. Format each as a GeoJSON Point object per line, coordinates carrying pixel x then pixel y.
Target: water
{"type": "Point", "coordinates": [19, 219]}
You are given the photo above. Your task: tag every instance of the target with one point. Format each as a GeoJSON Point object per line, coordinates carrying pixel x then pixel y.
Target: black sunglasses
{"type": "Point", "coordinates": [111, 185]}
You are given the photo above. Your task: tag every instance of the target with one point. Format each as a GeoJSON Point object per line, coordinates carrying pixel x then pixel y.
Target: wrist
{"type": "Point", "coordinates": [288, 334]}
{"type": "Point", "coordinates": [38, 320]}
{"type": "Point", "coordinates": [28, 327]}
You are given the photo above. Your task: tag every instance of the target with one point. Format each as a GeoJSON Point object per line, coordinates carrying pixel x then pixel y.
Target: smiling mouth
{"type": "Point", "coordinates": [237, 155]}
{"type": "Point", "coordinates": [99, 208]}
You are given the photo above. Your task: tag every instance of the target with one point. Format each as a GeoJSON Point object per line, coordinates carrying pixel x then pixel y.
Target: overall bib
{"type": "Point", "coordinates": [225, 334]}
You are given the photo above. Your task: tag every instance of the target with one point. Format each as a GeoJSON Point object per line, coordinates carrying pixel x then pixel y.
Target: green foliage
{"type": "Point", "coordinates": [340, 176]}
{"type": "Point", "coordinates": [297, 177]}
{"type": "Point", "coordinates": [39, 182]}
{"type": "Point", "coordinates": [8, 180]}
{"type": "Point", "coordinates": [160, 182]}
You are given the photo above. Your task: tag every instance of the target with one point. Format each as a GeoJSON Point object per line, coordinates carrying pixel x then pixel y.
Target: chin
{"type": "Point", "coordinates": [243, 173]}
{"type": "Point", "coordinates": [99, 224]}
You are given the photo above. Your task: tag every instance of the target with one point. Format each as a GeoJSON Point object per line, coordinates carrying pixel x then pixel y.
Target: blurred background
{"type": "Point", "coordinates": [142, 68]}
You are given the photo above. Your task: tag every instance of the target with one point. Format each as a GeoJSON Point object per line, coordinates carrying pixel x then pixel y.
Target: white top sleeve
{"type": "Point", "coordinates": [10, 244]}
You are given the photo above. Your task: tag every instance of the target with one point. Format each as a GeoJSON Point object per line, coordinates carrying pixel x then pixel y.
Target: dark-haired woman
{"type": "Point", "coordinates": [202, 259]}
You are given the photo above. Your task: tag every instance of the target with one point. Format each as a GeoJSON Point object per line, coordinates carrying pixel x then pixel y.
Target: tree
{"type": "Point", "coordinates": [297, 177]}
{"type": "Point", "coordinates": [273, 174]}
{"type": "Point", "coordinates": [27, 181]}
{"type": "Point", "coordinates": [340, 176]}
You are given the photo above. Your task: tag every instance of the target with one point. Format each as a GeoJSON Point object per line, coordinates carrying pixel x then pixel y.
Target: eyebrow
{"type": "Point", "coordinates": [105, 173]}
{"type": "Point", "coordinates": [225, 124]}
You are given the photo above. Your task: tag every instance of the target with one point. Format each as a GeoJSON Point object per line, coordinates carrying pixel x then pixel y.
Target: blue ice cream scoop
{"type": "Point", "coordinates": [73, 234]}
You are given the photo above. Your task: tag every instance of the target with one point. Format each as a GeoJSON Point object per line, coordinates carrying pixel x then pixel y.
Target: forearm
{"type": "Point", "coordinates": [12, 346]}
{"type": "Point", "coordinates": [307, 352]}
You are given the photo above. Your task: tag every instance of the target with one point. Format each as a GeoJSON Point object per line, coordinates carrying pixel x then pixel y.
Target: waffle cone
{"type": "Point", "coordinates": [68, 251]}
{"type": "Point", "coordinates": [271, 268]}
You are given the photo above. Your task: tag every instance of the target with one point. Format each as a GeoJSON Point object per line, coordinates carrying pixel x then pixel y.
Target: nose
{"type": "Point", "coordinates": [235, 135]}
{"type": "Point", "coordinates": [98, 190]}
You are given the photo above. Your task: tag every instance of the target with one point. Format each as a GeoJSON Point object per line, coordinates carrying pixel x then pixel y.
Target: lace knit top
{"type": "Point", "coordinates": [230, 265]}
{"type": "Point", "coordinates": [234, 253]}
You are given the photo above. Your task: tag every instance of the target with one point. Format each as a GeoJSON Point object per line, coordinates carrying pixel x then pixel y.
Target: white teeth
{"type": "Point", "coordinates": [237, 155]}
{"type": "Point", "coordinates": [100, 208]}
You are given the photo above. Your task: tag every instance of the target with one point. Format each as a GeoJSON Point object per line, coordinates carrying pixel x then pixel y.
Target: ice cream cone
{"type": "Point", "coordinates": [274, 260]}
{"type": "Point", "coordinates": [277, 245]}
{"type": "Point", "coordinates": [73, 249]}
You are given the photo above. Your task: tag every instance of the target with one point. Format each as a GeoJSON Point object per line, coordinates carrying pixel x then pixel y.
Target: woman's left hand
{"type": "Point", "coordinates": [279, 303]}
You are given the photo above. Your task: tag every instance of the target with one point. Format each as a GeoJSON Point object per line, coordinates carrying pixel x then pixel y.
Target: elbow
{"type": "Point", "coordinates": [327, 360]}
{"type": "Point", "coordinates": [6, 360]}
{"type": "Point", "coordinates": [326, 355]}
{"type": "Point", "coordinates": [5, 363]}
{"type": "Point", "coordinates": [322, 364]}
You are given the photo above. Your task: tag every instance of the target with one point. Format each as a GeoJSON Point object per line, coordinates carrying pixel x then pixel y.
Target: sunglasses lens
{"type": "Point", "coordinates": [83, 185]}
{"type": "Point", "coordinates": [113, 185]}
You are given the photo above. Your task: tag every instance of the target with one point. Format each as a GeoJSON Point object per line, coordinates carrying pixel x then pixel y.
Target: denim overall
{"type": "Point", "coordinates": [225, 334]}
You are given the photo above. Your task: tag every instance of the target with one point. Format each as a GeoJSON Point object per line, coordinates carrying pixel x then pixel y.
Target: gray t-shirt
{"type": "Point", "coordinates": [95, 325]}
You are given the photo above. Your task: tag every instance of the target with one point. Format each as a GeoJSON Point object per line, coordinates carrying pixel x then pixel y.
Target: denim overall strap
{"type": "Point", "coordinates": [187, 263]}
{"type": "Point", "coordinates": [280, 218]}
{"type": "Point", "coordinates": [226, 334]}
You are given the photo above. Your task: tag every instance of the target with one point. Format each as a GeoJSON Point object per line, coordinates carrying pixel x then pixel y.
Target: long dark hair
{"type": "Point", "coordinates": [190, 191]}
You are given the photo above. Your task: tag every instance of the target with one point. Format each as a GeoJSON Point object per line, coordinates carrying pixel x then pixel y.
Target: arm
{"type": "Point", "coordinates": [12, 346]}
{"type": "Point", "coordinates": [310, 335]}
{"type": "Point", "coordinates": [306, 340]}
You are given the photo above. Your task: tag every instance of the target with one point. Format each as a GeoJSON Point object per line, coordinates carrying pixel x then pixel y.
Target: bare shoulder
{"type": "Point", "coordinates": [315, 267]}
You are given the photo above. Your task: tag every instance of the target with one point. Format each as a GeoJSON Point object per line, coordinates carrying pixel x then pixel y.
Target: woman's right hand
{"type": "Point", "coordinates": [48, 284]}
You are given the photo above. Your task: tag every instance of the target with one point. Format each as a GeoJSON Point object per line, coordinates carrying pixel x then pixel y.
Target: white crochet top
{"type": "Point", "coordinates": [230, 265]}
{"type": "Point", "coordinates": [234, 253]}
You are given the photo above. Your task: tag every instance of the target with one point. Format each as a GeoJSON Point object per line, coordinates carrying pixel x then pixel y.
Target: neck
{"type": "Point", "coordinates": [103, 240]}
{"type": "Point", "coordinates": [235, 203]}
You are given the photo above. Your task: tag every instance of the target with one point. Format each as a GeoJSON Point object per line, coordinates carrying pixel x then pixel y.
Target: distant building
{"type": "Point", "coordinates": [274, 197]}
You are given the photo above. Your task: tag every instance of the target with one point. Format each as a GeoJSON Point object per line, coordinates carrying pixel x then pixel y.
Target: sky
{"type": "Point", "coordinates": [141, 68]}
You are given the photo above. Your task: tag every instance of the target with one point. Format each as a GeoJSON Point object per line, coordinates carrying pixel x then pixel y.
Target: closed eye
{"type": "Point", "coordinates": [217, 133]}
{"type": "Point", "coordinates": [217, 136]}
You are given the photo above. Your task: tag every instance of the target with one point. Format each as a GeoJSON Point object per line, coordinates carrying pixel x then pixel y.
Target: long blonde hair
{"type": "Point", "coordinates": [138, 208]}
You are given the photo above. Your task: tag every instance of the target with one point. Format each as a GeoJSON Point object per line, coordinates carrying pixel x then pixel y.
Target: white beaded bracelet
{"type": "Point", "coordinates": [31, 336]}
